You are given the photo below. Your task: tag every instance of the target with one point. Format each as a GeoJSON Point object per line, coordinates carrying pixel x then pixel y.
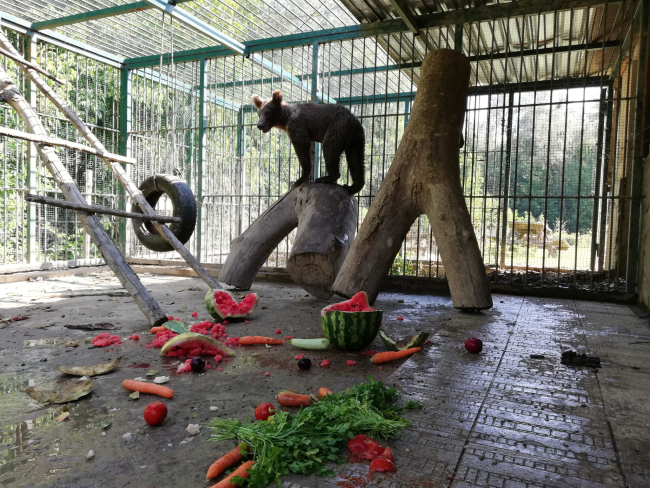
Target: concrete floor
{"type": "Point", "coordinates": [499, 419]}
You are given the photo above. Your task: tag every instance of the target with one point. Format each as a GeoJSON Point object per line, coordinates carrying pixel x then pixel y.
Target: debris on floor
{"type": "Point", "coordinates": [572, 358]}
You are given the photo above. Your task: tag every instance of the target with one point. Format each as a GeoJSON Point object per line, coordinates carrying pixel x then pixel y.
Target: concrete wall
{"type": "Point", "coordinates": [644, 251]}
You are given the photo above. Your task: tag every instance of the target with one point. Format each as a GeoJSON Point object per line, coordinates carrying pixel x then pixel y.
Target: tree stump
{"type": "Point", "coordinates": [326, 217]}
{"type": "Point", "coordinates": [424, 178]}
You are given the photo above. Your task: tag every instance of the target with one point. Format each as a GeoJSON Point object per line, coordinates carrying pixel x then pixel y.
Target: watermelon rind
{"type": "Point", "coordinates": [391, 344]}
{"type": "Point", "coordinates": [193, 336]}
{"type": "Point", "coordinates": [351, 331]}
{"type": "Point", "coordinates": [214, 310]}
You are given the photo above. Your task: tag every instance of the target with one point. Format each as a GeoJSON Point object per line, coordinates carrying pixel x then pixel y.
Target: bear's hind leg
{"type": "Point", "coordinates": [332, 151]}
{"type": "Point", "coordinates": [354, 155]}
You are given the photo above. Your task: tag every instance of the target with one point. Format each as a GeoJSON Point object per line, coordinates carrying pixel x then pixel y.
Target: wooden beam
{"type": "Point", "coordinates": [198, 25]}
{"type": "Point", "coordinates": [98, 209]}
{"type": "Point", "coordinates": [403, 9]}
{"type": "Point", "coordinates": [53, 141]}
{"type": "Point", "coordinates": [94, 15]}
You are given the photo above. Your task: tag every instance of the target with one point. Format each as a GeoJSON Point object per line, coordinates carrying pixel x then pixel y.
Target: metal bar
{"type": "Point", "coordinates": [439, 19]}
{"type": "Point", "coordinates": [31, 95]}
{"type": "Point", "coordinates": [632, 268]}
{"type": "Point", "coordinates": [98, 209]}
{"type": "Point", "coordinates": [458, 38]}
{"type": "Point", "coordinates": [124, 145]}
{"type": "Point", "coordinates": [200, 157]}
{"type": "Point", "coordinates": [315, 53]}
{"type": "Point", "coordinates": [599, 169]}
{"type": "Point", "coordinates": [626, 44]}
{"type": "Point", "coordinates": [605, 186]}
{"type": "Point", "coordinates": [53, 141]}
{"type": "Point", "coordinates": [51, 37]}
{"type": "Point", "coordinates": [197, 24]}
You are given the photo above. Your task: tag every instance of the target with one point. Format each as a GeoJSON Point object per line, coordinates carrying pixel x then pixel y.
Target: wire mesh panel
{"type": "Point", "coordinates": [92, 90]}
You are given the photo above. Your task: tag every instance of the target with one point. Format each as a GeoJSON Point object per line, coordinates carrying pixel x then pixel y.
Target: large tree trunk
{"type": "Point", "coordinates": [326, 217]}
{"type": "Point", "coordinates": [424, 178]}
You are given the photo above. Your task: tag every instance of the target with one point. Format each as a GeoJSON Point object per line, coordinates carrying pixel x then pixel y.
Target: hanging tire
{"type": "Point", "coordinates": [184, 205]}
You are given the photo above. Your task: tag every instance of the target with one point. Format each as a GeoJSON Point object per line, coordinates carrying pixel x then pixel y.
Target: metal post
{"type": "Point", "coordinates": [199, 159]}
{"type": "Point", "coordinates": [126, 106]}
{"type": "Point", "coordinates": [241, 169]}
{"type": "Point", "coordinates": [407, 111]}
{"type": "Point", "coordinates": [604, 191]}
{"type": "Point", "coordinates": [458, 37]}
{"type": "Point", "coordinates": [32, 161]}
{"type": "Point", "coordinates": [599, 170]}
{"type": "Point", "coordinates": [88, 190]}
{"type": "Point", "coordinates": [631, 273]}
{"type": "Point", "coordinates": [314, 98]}
{"type": "Point", "coordinates": [506, 185]}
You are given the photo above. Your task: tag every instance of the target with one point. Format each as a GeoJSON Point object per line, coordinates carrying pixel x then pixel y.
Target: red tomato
{"type": "Point", "coordinates": [382, 465]}
{"type": "Point", "coordinates": [474, 345]}
{"type": "Point", "coordinates": [373, 450]}
{"type": "Point", "coordinates": [264, 411]}
{"type": "Point", "coordinates": [388, 454]}
{"type": "Point", "coordinates": [155, 413]}
{"type": "Point", "coordinates": [358, 444]}
{"type": "Point", "coordinates": [365, 447]}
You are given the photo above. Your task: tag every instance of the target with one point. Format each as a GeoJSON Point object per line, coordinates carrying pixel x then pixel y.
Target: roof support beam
{"type": "Point", "coordinates": [197, 24]}
{"type": "Point", "coordinates": [403, 9]}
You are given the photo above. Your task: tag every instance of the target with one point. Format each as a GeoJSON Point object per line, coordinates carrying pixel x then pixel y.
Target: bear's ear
{"type": "Point", "coordinates": [257, 101]}
{"type": "Point", "coordinates": [277, 96]}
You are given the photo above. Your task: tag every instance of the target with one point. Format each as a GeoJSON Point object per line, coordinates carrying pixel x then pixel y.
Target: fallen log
{"type": "Point", "coordinates": [326, 217]}
{"type": "Point", "coordinates": [424, 177]}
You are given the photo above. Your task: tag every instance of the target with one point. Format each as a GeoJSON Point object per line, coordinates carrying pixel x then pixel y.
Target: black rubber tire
{"type": "Point", "coordinates": [184, 205]}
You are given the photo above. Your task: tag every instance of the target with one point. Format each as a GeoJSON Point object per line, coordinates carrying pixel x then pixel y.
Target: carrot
{"type": "Point", "coordinates": [290, 399]}
{"type": "Point", "coordinates": [240, 471]}
{"type": "Point", "coordinates": [155, 330]}
{"type": "Point", "coordinates": [252, 340]}
{"type": "Point", "coordinates": [152, 388]}
{"type": "Point", "coordinates": [224, 462]}
{"type": "Point", "coordinates": [384, 357]}
{"type": "Point", "coordinates": [324, 392]}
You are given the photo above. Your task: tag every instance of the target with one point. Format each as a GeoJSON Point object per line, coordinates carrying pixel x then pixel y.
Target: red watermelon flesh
{"type": "Point", "coordinates": [231, 308]}
{"type": "Point", "coordinates": [358, 303]}
{"type": "Point", "coordinates": [192, 349]}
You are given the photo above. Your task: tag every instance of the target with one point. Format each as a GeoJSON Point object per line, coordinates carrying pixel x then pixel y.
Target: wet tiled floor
{"type": "Point", "coordinates": [497, 419]}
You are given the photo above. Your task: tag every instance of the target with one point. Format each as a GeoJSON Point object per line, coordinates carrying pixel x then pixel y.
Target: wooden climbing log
{"type": "Point", "coordinates": [424, 177]}
{"type": "Point", "coordinates": [326, 217]}
{"type": "Point", "coordinates": [9, 93]}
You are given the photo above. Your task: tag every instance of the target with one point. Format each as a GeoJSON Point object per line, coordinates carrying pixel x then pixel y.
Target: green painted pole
{"type": "Point", "coordinates": [314, 98]}
{"type": "Point", "coordinates": [199, 160]}
{"type": "Point", "coordinates": [126, 79]}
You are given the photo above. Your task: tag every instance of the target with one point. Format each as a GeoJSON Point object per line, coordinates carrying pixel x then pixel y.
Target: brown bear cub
{"type": "Point", "coordinates": [333, 125]}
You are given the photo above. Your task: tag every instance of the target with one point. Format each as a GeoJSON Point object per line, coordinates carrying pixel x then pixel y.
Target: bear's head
{"type": "Point", "coordinates": [270, 111]}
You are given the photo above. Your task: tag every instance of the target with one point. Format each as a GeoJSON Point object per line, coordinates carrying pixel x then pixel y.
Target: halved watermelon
{"type": "Point", "coordinates": [191, 345]}
{"type": "Point", "coordinates": [221, 305]}
{"type": "Point", "coordinates": [391, 344]}
{"type": "Point", "coordinates": [351, 325]}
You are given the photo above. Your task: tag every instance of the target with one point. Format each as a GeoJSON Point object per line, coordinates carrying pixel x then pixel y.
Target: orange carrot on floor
{"type": "Point", "coordinates": [384, 357]}
{"type": "Point", "coordinates": [324, 392]}
{"type": "Point", "coordinates": [155, 330]}
{"type": "Point", "coordinates": [290, 399]}
{"type": "Point", "coordinates": [252, 340]}
{"type": "Point", "coordinates": [224, 462]}
{"type": "Point", "coordinates": [240, 471]}
{"type": "Point", "coordinates": [152, 388]}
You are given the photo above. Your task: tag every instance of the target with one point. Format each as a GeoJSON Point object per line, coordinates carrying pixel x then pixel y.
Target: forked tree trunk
{"type": "Point", "coordinates": [424, 178]}
{"type": "Point", "coordinates": [326, 217]}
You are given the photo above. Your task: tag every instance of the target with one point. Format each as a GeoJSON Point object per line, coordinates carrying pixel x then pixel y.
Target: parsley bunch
{"type": "Point", "coordinates": [304, 442]}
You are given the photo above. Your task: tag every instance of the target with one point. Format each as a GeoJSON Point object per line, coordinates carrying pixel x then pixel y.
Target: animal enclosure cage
{"type": "Point", "coordinates": [550, 164]}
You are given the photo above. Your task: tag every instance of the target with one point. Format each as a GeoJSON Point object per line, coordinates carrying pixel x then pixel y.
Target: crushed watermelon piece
{"type": "Point", "coordinates": [195, 314]}
{"type": "Point", "coordinates": [193, 348]}
{"type": "Point", "coordinates": [106, 339]}
{"type": "Point", "coordinates": [162, 337]}
{"type": "Point", "coordinates": [232, 341]}
{"type": "Point", "coordinates": [324, 363]}
{"type": "Point", "coordinates": [368, 353]}
{"type": "Point", "coordinates": [288, 337]}
{"type": "Point", "coordinates": [358, 303]}
{"type": "Point", "coordinates": [400, 318]}
{"type": "Point", "coordinates": [220, 369]}
{"type": "Point", "coordinates": [299, 356]}
{"type": "Point", "coordinates": [278, 331]}
{"type": "Point", "coordinates": [135, 337]}
{"type": "Point", "coordinates": [149, 346]}
{"type": "Point", "coordinates": [184, 367]}
{"type": "Point", "coordinates": [225, 322]}
{"type": "Point", "coordinates": [247, 321]}
{"type": "Point", "coordinates": [216, 331]}
{"type": "Point", "coordinates": [218, 358]}
{"type": "Point", "coordinates": [267, 374]}
{"type": "Point", "coordinates": [351, 363]}
{"type": "Point", "coordinates": [228, 307]}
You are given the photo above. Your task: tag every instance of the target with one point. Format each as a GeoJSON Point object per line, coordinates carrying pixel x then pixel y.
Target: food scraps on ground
{"type": "Point", "coordinates": [63, 392]}
{"type": "Point", "coordinates": [322, 391]}
{"type": "Point", "coordinates": [299, 357]}
{"type": "Point", "coordinates": [304, 363]}
{"type": "Point", "coordinates": [324, 363]}
{"type": "Point", "coordinates": [63, 416]}
{"type": "Point", "coordinates": [90, 455]}
{"type": "Point", "coordinates": [106, 339]}
{"type": "Point", "coordinates": [351, 363]}
{"type": "Point", "coordinates": [143, 387]}
{"type": "Point", "coordinates": [197, 364]}
{"type": "Point", "coordinates": [193, 429]}
{"type": "Point", "coordinates": [221, 305]}
{"type": "Point", "coordinates": [288, 443]}
{"type": "Point", "coordinates": [159, 380]}
{"type": "Point", "coordinates": [264, 411]}
{"type": "Point", "coordinates": [227, 460]}
{"type": "Point", "coordinates": [312, 344]}
{"type": "Point", "coordinates": [134, 337]}
{"type": "Point", "coordinates": [278, 331]}
{"type": "Point", "coordinates": [399, 318]}
{"type": "Point", "coordinates": [254, 340]}
{"type": "Point", "coordinates": [98, 326]}
{"type": "Point", "coordinates": [572, 358]}
{"type": "Point", "coordinates": [155, 413]}
{"type": "Point", "coordinates": [291, 399]}
{"type": "Point", "coordinates": [351, 325]}
{"type": "Point", "coordinates": [391, 344]}
{"type": "Point", "coordinates": [474, 345]}
{"type": "Point", "coordinates": [384, 357]}
{"type": "Point", "coordinates": [192, 344]}
{"type": "Point", "coordinates": [90, 370]}
{"type": "Point", "coordinates": [241, 472]}
{"type": "Point", "coordinates": [175, 326]}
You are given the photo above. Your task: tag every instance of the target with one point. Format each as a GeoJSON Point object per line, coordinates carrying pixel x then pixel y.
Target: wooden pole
{"type": "Point", "coordinates": [22, 61]}
{"type": "Point", "coordinates": [98, 209]}
{"type": "Point", "coordinates": [424, 177]}
{"type": "Point", "coordinates": [10, 94]}
{"type": "Point", "coordinates": [53, 141]}
{"type": "Point", "coordinates": [119, 172]}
